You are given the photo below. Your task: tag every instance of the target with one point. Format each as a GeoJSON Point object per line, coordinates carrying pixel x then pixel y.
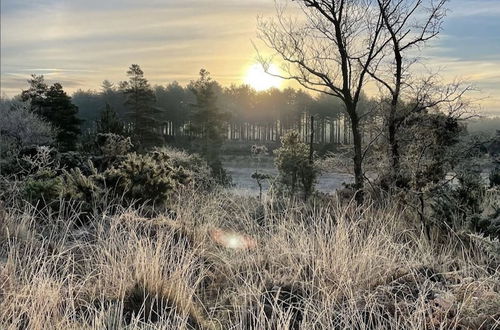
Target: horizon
{"type": "Point", "coordinates": [173, 41]}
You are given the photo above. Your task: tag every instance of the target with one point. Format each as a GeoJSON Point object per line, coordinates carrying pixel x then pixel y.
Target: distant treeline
{"type": "Point", "coordinates": [484, 125]}
{"type": "Point", "coordinates": [253, 115]}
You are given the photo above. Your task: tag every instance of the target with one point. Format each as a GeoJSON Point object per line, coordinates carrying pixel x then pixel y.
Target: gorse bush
{"type": "Point", "coordinates": [297, 173]}
{"type": "Point", "coordinates": [42, 188]}
{"type": "Point", "coordinates": [46, 176]}
{"type": "Point", "coordinates": [470, 192]}
{"type": "Point", "coordinates": [87, 190]}
{"type": "Point", "coordinates": [152, 178]}
{"type": "Point", "coordinates": [109, 148]}
{"type": "Point", "coordinates": [40, 180]}
{"type": "Point", "coordinates": [459, 206]}
{"type": "Point", "coordinates": [200, 173]}
{"type": "Point", "coordinates": [113, 145]}
{"type": "Point", "coordinates": [146, 178]}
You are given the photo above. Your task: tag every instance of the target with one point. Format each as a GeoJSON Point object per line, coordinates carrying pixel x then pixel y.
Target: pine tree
{"type": "Point", "coordinates": [36, 93]}
{"type": "Point", "coordinates": [62, 113]}
{"type": "Point", "coordinates": [140, 100]}
{"type": "Point", "coordinates": [208, 123]}
{"type": "Point", "coordinates": [54, 105]}
{"type": "Point", "coordinates": [109, 122]}
{"type": "Point", "coordinates": [107, 87]}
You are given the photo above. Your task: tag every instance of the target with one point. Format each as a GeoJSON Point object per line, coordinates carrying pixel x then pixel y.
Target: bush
{"type": "Point", "coordinates": [151, 178]}
{"type": "Point", "coordinates": [146, 178]}
{"type": "Point", "coordinates": [108, 148]}
{"type": "Point", "coordinates": [460, 205]}
{"type": "Point", "coordinates": [113, 145]}
{"type": "Point", "coordinates": [38, 175]}
{"type": "Point", "coordinates": [193, 164]}
{"type": "Point", "coordinates": [23, 128]}
{"type": "Point", "coordinates": [495, 177]}
{"type": "Point", "coordinates": [296, 172]}
{"type": "Point", "coordinates": [20, 129]}
{"type": "Point", "coordinates": [85, 189]}
{"type": "Point", "coordinates": [43, 188]}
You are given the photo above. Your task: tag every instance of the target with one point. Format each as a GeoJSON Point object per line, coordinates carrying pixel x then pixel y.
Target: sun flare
{"type": "Point", "coordinates": [260, 80]}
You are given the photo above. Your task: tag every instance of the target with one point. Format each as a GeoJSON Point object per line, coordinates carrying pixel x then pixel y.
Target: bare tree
{"type": "Point", "coordinates": [409, 24]}
{"type": "Point", "coordinates": [330, 49]}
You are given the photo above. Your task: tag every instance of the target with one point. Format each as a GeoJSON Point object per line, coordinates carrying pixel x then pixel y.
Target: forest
{"type": "Point", "coordinates": [253, 115]}
{"type": "Point", "coordinates": [118, 208]}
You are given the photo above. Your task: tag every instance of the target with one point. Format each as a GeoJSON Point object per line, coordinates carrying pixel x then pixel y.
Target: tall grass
{"type": "Point", "coordinates": [320, 265]}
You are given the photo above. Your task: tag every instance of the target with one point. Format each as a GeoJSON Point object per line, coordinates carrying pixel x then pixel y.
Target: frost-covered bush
{"type": "Point", "coordinates": [83, 187]}
{"type": "Point", "coordinates": [40, 181]}
{"type": "Point", "coordinates": [148, 178]}
{"type": "Point", "coordinates": [113, 145]}
{"type": "Point", "coordinates": [108, 148]}
{"type": "Point", "coordinates": [296, 172]}
{"type": "Point", "coordinates": [455, 206]}
{"type": "Point", "coordinates": [20, 129]}
{"type": "Point", "coordinates": [43, 188]}
{"type": "Point", "coordinates": [194, 165]}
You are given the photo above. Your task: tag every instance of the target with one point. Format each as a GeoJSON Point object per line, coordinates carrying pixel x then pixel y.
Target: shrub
{"type": "Point", "coordinates": [85, 189]}
{"type": "Point", "coordinates": [470, 192]}
{"type": "Point", "coordinates": [144, 178]}
{"type": "Point", "coordinates": [456, 206]}
{"type": "Point", "coordinates": [20, 129]}
{"type": "Point", "coordinates": [113, 145]}
{"type": "Point", "coordinates": [193, 164]}
{"type": "Point", "coordinates": [38, 173]}
{"type": "Point", "coordinates": [296, 171]}
{"type": "Point", "coordinates": [148, 178]}
{"type": "Point", "coordinates": [43, 188]}
{"type": "Point", "coordinates": [495, 177]}
{"type": "Point", "coordinates": [108, 148]}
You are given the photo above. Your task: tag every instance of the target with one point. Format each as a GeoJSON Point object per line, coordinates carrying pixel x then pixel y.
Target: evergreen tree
{"type": "Point", "coordinates": [107, 87]}
{"type": "Point", "coordinates": [36, 93]}
{"type": "Point", "coordinates": [62, 113]}
{"type": "Point", "coordinates": [109, 122]}
{"type": "Point", "coordinates": [54, 105]}
{"type": "Point", "coordinates": [140, 100]}
{"type": "Point", "coordinates": [208, 123]}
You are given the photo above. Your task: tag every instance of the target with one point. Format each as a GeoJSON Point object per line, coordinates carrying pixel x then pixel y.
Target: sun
{"type": "Point", "coordinates": [257, 78]}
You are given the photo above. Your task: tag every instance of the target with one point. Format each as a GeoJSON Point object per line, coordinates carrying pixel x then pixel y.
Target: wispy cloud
{"type": "Point", "coordinates": [83, 42]}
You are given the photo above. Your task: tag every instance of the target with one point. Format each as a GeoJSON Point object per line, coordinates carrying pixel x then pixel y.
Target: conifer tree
{"type": "Point", "coordinates": [107, 87]}
{"type": "Point", "coordinates": [54, 105]}
{"type": "Point", "coordinates": [36, 93]}
{"type": "Point", "coordinates": [208, 123]}
{"type": "Point", "coordinates": [140, 101]}
{"type": "Point", "coordinates": [109, 122]}
{"type": "Point", "coordinates": [62, 113]}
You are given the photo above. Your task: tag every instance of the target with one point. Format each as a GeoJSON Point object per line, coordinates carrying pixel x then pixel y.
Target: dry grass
{"type": "Point", "coordinates": [324, 266]}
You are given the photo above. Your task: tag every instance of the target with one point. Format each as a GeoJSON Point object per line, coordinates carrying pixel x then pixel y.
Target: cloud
{"type": "Point", "coordinates": [101, 40]}
{"type": "Point", "coordinates": [469, 8]}
{"type": "Point", "coordinates": [83, 42]}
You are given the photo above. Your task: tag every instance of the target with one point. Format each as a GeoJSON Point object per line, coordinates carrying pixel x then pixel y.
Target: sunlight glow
{"type": "Point", "coordinates": [257, 78]}
{"type": "Point", "coordinates": [232, 240]}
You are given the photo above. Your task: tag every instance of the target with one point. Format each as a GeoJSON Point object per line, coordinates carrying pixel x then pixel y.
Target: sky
{"type": "Point", "coordinates": [82, 42]}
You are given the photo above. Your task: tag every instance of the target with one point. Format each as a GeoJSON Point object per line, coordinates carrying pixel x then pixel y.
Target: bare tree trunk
{"type": "Point", "coordinates": [358, 159]}
{"type": "Point", "coordinates": [311, 144]}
